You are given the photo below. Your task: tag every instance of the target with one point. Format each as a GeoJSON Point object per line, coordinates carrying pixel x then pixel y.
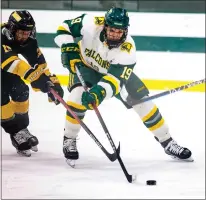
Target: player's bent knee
{"type": "Point", "coordinates": [20, 107]}
{"type": "Point", "coordinates": [20, 93]}
{"type": "Point", "coordinates": [75, 104]}
{"type": "Point", "coordinates": [76, 94]}
{"type": "Point", "coordinates": [144, 108]}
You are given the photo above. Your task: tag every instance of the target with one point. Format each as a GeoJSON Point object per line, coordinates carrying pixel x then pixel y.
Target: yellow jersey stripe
{"type": "Point", "coordinates": [114, 83]}
{"type": "Point", "coordinates": [7, 111]}
{"type": "Point", "coordinates": [43, 66]}
{"type": "Point", "coordinates": [20, 107]}
{"type": "Point", "coordinates": [7, 61]}
{"type": "Point", "coordinates": [47, 72]}
{"type": "Point", "coordinates": [158, 125]}
{"type": "Point", "coordinates": [61, 28]}
{"type": "Point", "coordinates": [71, 120]}
{"type": "Point", "coordinates": [152, 112]}
{"type": "Point", "coordinates": [21, 68]}
{"type": "Point", "coordinates": [75, 105]}
{"type": "Point", "coordinates": [82, 59]}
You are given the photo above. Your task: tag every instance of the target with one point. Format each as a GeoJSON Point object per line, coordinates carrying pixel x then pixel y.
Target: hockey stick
{"type": "Point", "coordinates": [129, 177]}
{"type": "Point", "coordinates": [112, 157]}
{"type": "Point", "coordinates": [177, 89]}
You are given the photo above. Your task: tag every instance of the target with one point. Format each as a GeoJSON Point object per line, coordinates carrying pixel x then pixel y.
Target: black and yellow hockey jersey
{"type": "Point", "coordinates": [11, 63]}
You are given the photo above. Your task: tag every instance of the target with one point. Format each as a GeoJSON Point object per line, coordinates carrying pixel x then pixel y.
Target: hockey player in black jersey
{"type": "Point", "coordinates": [18, 37]}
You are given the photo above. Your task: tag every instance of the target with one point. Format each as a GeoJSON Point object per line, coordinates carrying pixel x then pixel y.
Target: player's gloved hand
{"type": "Point", "coordinates": [70, 55]}
{"type": "Point", "coordinates": [57, 87]}
{"type": "Point", "coordinates": [41, 83]}
{"type": "Point", "coordinates": [95, 96]}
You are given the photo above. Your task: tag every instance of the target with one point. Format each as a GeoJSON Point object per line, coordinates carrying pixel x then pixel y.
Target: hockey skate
{"type": "Point", "coordinates": [24, 142]}
{"type": "Point", "coordinates": [177, 152]}
{"type": "Point", "coordinates": [70, 151]}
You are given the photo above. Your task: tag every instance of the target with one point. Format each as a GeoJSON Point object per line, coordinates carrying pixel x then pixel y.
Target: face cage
{"type": "Point", "coordinates": [115, 44]}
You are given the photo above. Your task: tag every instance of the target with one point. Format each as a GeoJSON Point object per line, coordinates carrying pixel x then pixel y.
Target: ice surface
{"type": "Point", "coordinates": [46, 174]}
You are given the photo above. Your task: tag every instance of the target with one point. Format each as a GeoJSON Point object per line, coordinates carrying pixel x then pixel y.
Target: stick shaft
{"type": "Point", "coordinates": [113, 156]}
{"type": "Point", "coordinates": [127, 175]}
{"type": "Point", "coordinates": [177, 89]}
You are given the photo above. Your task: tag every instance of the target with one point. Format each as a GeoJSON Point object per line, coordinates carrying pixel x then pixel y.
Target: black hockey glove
{"type": "Point", "coordinates": [41, 83]}
{"type": "Point", "coordinates": [57, 87]}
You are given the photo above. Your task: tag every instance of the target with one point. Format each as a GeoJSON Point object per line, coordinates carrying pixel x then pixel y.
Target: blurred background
{"type": "Point", "coordinates": [197, 6]}
{"type": "Point", "coordinates": [169, 35]}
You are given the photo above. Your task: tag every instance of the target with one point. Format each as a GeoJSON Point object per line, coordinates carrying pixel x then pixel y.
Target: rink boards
{"type": "Point", "coordinates": [170, 46]}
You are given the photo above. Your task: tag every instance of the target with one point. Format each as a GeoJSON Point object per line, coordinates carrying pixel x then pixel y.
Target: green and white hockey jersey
{"type": "Point", "coordinates": [115, 64]}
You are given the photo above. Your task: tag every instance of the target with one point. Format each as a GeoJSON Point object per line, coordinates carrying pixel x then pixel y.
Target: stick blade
{"type": "Point", "coordinates": [113, 157]}
{"type": "Point", "coordinates": [131, 178]}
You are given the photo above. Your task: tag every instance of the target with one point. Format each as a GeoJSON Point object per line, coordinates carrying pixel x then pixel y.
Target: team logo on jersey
{"type": "Point", "coordinates": [99, 20]}
{"type": "Point", "coordinates": [96, 56]}
{"type": "Point", "coordinates": [126, 46]}
{"type": "Point", "coordinates": [6, 48]}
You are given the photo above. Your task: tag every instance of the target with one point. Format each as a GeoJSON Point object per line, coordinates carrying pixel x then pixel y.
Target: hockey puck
{"type": "Point", "coordinates": [151, 182]}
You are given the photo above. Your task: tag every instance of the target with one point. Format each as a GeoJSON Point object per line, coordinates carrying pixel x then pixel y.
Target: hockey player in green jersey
{"type": "Point", "coordinates": [106, 54]}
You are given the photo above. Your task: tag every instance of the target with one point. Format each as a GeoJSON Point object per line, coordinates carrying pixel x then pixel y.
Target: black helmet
{"type": "Point", "coordinates": [21, 20]}
{"type": "Point", "coordinates": [117, 18]}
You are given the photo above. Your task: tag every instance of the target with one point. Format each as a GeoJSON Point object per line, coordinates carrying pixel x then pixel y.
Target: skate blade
{"type": "Point", "coordinates": [26, 153]}
{"type": "Point", "coordinates": [190, 159]}
{"type": "Point", "coordinates": [34, 148]}
{"type": "Point", "coordinates": [71, 163]}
